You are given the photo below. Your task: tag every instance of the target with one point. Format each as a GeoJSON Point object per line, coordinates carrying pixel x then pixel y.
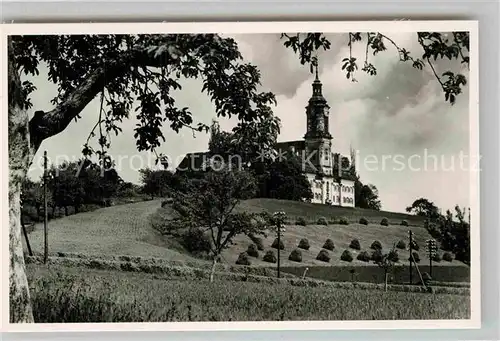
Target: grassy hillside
{"type": "Point", "coordinates": [126, 230]}
{"type": "Point", "coordinates": [118, 230]}
{"type": "Point", "coordinates": [312, 212]}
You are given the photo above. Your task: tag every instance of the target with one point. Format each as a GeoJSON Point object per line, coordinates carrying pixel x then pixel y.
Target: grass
{"type": "Point", "coordinates": [118, 230]}
{"type": "Point", "coordinates": [311, 212]}
{"type": "Point", "coordinates": [127, 230]}
{"type": "Point", "coordinates": [69, 295]}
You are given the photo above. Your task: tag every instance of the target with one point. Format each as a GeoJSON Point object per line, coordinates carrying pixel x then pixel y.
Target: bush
{"type": "Point", "coordinates": [243, 259]}
{"type": "Point", "coordinates": [304, 244]}
{"type": "Point", "coordinates": [167, 202]}
{"type": "Point", "coordinates": [384, 222]}
{"type": "Point", "coordinates": [322, 221]}
{"type": "Point", "coordinates": [363, 221]}
{"type": "Point", "coordinates": [448, 257]}
{"type": "Point", "coordinates": [355, 244]}
{"type": "Point", "coordinates": [329, 245]}
{"type": "Point", "coordinates": [343, 221]}
{"type": "Point", "coordinates": [252, 251]}
{"type": "Point", "coordinates": [346, 256]}
{"type": "Point", "coordinates": [301, 221]}
{"type": "Point", "coordinates": [364, 256]}
{"type": "Point", "coordinates": [393, 256]}
{"type": "Point", "coordinates": [427, 278]}
{"type": "Point", "coordinates": [295, 256]}
{"type": "Point", "coordinates": [436, 257]}
{"type": "Point", "coordinates": [401, 245]}
{"type": "Point", "coordinates": [404, 223]}
{"type": "Point", "coordinates": [275, 244]}
{"type": "Point", "coordinates": [416, 257]}
{"type": "Point", "coordinates": [257, 241]}
{"type": "Point", "coordinates": [195, 241]}
{"type": "Point", "coordinates": [269, 257]}
{"type": "Point", "coordinates": [376, 245]}
{"type": "Point", "coordinates": [377, 256]}
{"type": "Point", "coordinates": [323, 256]}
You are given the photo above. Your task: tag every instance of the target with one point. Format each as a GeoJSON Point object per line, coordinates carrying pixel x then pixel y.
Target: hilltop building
{"type": "Point", "coordinates": [330, 183]}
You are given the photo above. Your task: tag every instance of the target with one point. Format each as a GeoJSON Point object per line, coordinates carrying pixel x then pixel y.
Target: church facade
{"type": "Point", "coordinates": [330, 183]}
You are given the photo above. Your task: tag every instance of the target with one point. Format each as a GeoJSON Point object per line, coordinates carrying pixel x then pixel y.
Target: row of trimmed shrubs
{"type": "Point", "coordinates": [323, 255]}
{"type": "Point", "coordinates": [344, 221]}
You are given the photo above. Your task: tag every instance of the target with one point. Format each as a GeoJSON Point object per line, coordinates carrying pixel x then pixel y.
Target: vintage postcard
{"type": "Point", "coordinates": [240, 176]}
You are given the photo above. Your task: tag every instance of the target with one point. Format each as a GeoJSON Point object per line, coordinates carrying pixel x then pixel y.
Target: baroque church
{"type": "Point", "coordinates": [330, 179]}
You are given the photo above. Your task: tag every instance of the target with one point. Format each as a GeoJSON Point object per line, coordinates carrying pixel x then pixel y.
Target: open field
{"type": "Point", "coordinates": [62, 294]}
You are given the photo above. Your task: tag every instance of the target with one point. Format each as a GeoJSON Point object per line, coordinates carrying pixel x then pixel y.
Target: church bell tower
{"type": "Point", "coordinates": [318, 138]}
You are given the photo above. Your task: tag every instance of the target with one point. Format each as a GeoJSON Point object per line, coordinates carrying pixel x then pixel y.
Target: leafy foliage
{"type": "Point", "coordinates": [355, 244]}
{"type": "Point", "coordinates": [257, 241]}
{"type": "Point", "coordinates": [159, 182]}
{"type": "Point", "coordinates": [404, 223]}
{"type": "Point", "coordinates": [196, 241]}
{"type": "Point", "coordinates": [450, 46]}
{"type": "Point", "coordinates": [376, 245]}
{"type": "Point", "coordinates": [276, 245]}
{"type": "Point", "coordinates": [447, 256]}
{"type": "Point", "coordinates": [304, 244]}
{"type": "Point", "coordinates": [423, 207]}
{"type": "Point", "coordinates": [243, 259]}
{"type": "Point", "coordinates": [346, 256]}
{"type": "Point", "coordinates": [146, 68]}
{"type": "Point", "coordinates": [252, 251]}
{"type": "Point", "coordinates": [211, 203]}
{"type": "Point", "coordinates": [377, 256]}
{"type": "Point", "coordinates": [295, 256]}
{"type": "Point", "coordinates": [415, 257]}
{"type": "Point", "coordinates": [301, 221]}
{"type": "Point", "coordinates": [329, 245]}
{"type": "Point", "coordinates": [436, 257]}
{"type": "Point", "coordinates": [270, 257]}
{"type": "Point", "coordinates": [323, 256]}
{"type": "Point", "coordinates": [401, 244]}
{"type": "Point", "coordinates": [364, 256]}
{"type": "Point", "coordinates": [343, 221]}
{"type": "Point", "coordinates": [363, 221]}
{"type": "Point", "coordinates": [384, 222]}
{"type": "Point", "coordinates": [322, 221]}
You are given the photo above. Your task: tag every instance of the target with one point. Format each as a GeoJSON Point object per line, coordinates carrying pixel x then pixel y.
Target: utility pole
{"type": "Point", "coordinates": [45, 209]}
{"type": "Point", "coordinates": [411, 254]}
{"type": "Point", "coordinates": [431, 249]}
{"type": "Point", "coordinates": [279, 219]}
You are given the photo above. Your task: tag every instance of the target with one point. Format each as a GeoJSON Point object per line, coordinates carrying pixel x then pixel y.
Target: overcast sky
{"type": "Point", "coordinates": [399, 114]}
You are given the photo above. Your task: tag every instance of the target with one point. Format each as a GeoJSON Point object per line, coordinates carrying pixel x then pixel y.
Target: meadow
{"type": "Point", "coordinates": [64, 294]}
{"type": "Point", "coordinates": [111, 265]}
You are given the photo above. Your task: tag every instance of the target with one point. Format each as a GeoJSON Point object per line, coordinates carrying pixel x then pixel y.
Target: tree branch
{"type": "Point", "coordinates": [44, 125]}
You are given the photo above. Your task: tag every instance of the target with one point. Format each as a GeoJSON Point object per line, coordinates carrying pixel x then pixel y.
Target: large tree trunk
{"type": "Point", "coordinates": [19, 160]}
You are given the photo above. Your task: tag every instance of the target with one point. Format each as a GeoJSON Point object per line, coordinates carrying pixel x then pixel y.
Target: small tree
{"type": "Point", "coordinates": [329, 245]}
{"type": "Point", "coordinates": [401, 244]}
{"type": "Point", "coordinates": [364, 256]}
{"type": "Point", "coordinates": [252, 251]}
{"type": "Point", "coordinates": [322, 221]}
{"type": "Point", "coordinates": [404, 223]}
{"type": "Point", "coordinates": [384, 222]}
{"type": "Point", "coordinates": [376, 245]}
{"type": "Point", "coordinates": [243, 259]}
{"type": "Point", "coordinates": [323, 256]}
{"type": "Point", "coordinates": [346, 256]}
{"type": "Point", "coordinates": [269, 257]}
{"type": "Point", "coordinates": [295, 256]}
{"type": "Point", "coordinates": [386, 262]}
{"type": "Point", "coordinates": [304, 244]}
{"type": "Point", "coordinates": [210, 205]}
{"type": "Point", "coordinates": [355, 244]}
{"type": "Point", "coordinates": [363, 221]}
{"type": "Point", "coordinates": [301, 221]}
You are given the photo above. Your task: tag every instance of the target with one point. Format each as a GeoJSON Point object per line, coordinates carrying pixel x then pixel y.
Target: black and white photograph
{"type": "Point", "coordinates": [287, 173]}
